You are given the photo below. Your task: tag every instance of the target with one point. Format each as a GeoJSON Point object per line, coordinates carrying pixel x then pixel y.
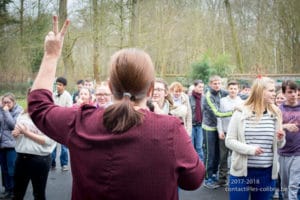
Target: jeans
{"type": "Point", "coordinates": [63, 156]}
{"type": "Point", "coordinates": [298, 194]}
{"type": "Point", "coordinates": [32, 168]}
{"type": "Point", "coordinates": [197, 140]}
{"type": "Point", "coordinates": [258, 182]}
{"type": "Point", "coordinates": [211, 152]}
{"type": "Point", "coordinates": [7, 162]}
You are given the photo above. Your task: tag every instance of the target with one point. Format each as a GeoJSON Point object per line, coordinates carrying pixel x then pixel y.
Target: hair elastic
{"type": "Point", "coordinates": [127, 94]}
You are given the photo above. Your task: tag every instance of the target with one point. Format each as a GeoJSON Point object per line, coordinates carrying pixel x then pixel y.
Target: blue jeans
{"type": "Point", "coordinates": [7, 162]}
{"type": "Point", "coordinates": [197, 140]}
{"type": "Point", "coordinates": [211, 152]}
{"type": "Point", "coordinates": [258, 182]}
{"type": "Point", "coordinates": [298, 194]}
{"type": "Point", "coordinates": [63, 156]}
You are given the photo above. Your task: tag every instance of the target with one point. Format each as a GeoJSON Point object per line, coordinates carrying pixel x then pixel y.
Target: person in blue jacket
{"type": "Point", "coordinates": [9, 111]}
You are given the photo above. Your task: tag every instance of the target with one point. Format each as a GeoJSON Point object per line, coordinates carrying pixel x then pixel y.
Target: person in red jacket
{"type": "Point", "coordinates": [123, 151]}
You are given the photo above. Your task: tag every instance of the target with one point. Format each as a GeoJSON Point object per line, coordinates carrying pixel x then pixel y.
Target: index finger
{"type": "Point", "coordinates": [55, 24]}
{"type": "Point", "coordinates": [65, 27]}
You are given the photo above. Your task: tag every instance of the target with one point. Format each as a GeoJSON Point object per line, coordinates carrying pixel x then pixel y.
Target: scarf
{"type": "Point", "coordinates": [198, 112]}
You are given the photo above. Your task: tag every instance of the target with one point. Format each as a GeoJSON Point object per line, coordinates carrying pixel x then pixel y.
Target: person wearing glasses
{"type": "Point", "coordinates": [161, 99]}
{"type": "Point", "coordinates": [103, 96]}
{"type": "Point", "coordinates": [9, 111]}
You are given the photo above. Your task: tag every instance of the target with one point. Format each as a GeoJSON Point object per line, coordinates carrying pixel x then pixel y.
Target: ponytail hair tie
{"type": "Point", "coordinates": [127, 94]}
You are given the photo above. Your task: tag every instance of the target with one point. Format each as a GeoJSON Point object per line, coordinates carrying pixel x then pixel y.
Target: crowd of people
{"type": "Point", "coordinates": [148, 138]}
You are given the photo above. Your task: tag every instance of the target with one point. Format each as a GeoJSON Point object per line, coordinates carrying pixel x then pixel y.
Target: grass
{"type": "Point", "coordinates": [22, 102]}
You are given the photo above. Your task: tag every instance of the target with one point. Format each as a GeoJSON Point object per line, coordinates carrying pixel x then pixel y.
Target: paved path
{"type": "Point", "coordinates": [60, 182]}
{"type": "Point", "coordinates": [59, 188]}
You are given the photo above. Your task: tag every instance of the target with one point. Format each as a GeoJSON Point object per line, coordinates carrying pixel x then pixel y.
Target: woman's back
{"type": "Point", "coordinates": [149, 161]}
{"type": "Point", "coordinates": [142, 163]}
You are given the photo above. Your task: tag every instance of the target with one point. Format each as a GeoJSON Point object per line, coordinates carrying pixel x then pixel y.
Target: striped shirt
{"type": "Point", "coordinates": [261, 133]}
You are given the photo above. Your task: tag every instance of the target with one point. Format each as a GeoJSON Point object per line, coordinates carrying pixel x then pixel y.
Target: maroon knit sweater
{"type": "Point", "coordinates": [149, 161]}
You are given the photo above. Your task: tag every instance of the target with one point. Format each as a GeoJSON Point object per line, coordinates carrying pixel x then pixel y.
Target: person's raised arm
{"type": "Point", "coordinates": [52, 50]}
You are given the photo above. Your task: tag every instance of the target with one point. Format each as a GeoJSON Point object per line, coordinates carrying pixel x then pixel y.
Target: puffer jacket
{"type": "Point", "coordinates": [7, 124]}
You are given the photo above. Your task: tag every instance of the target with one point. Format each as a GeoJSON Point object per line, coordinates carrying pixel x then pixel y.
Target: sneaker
{"type": "Point", "coordinates": [64, 168]}
{"type": "Point", "coordinates": [53, 167]}
{"type": "Point", "coordinates": [210, 184]}
{"type": "Point", "coordinates": [222, 183]}
{"type": "Point", "coordinates": [7, 196]}
{"type": "Point", "coordinates": [276, 194]}
{"type": "Point", "coordinates": [214, 178]}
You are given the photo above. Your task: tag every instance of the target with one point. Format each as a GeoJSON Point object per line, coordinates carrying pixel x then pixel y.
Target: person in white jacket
{"type": "Point", "coordinates": [182, 108]}
{"type": "Point", "coordinates": [254, 134]}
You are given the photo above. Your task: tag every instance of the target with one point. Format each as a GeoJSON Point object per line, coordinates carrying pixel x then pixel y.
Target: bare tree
{"type": "Point", "coordinates": [96, 49]}
{"type": "Point", "coordinates": [239, 61]}
{"type": "Point", "coordinates": [133, 36]}
{"type": "Point", "coordinates": [68, 45]}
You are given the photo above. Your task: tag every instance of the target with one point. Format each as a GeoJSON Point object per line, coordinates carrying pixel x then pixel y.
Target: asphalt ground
{"type": "Point", "coordinates": [60, 182]}
{"type": "Point", "coordinates": [59, 187]}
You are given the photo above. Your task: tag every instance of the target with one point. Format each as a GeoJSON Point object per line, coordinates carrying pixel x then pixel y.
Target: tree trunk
{"type": "Point", "coordinates": [39, 9]}
{"type": "Point", "coordinates": [122, 24]}
{"type": "Point", "coordinates": [236, 45]}
{"type": "Point", "coordinates": [21, 20]}
{"type": "Point", "coordinates": [96, 50]}
{"type": "Point", "coordinates": [133, 39]}
{"type": "Point", "coordinates": [68, 71]}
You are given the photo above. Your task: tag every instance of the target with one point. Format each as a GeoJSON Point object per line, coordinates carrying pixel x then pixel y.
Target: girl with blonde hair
{"type": "Point", "coordinates": [254, 134]}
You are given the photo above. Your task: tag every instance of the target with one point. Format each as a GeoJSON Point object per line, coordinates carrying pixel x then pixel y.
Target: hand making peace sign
{"type": "Point", "coordinates": [54, 40]}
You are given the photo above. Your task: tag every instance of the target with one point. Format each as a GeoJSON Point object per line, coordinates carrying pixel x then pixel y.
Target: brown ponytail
{"type": "Point", "coordinates": [131, 75]}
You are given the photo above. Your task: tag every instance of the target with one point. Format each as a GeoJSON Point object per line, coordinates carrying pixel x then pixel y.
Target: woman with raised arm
{"type": "Point", "coordinates": [123, 151]}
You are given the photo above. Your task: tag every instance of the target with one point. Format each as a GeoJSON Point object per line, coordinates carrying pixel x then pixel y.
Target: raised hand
{"type": "Point", "coordinates": [55, 39]}
{"type": "Point", "coordinates": [5, 108]}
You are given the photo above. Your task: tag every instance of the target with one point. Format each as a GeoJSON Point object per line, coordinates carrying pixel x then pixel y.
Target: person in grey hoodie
{"type": "Point", "coordinates": [9, 111]}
